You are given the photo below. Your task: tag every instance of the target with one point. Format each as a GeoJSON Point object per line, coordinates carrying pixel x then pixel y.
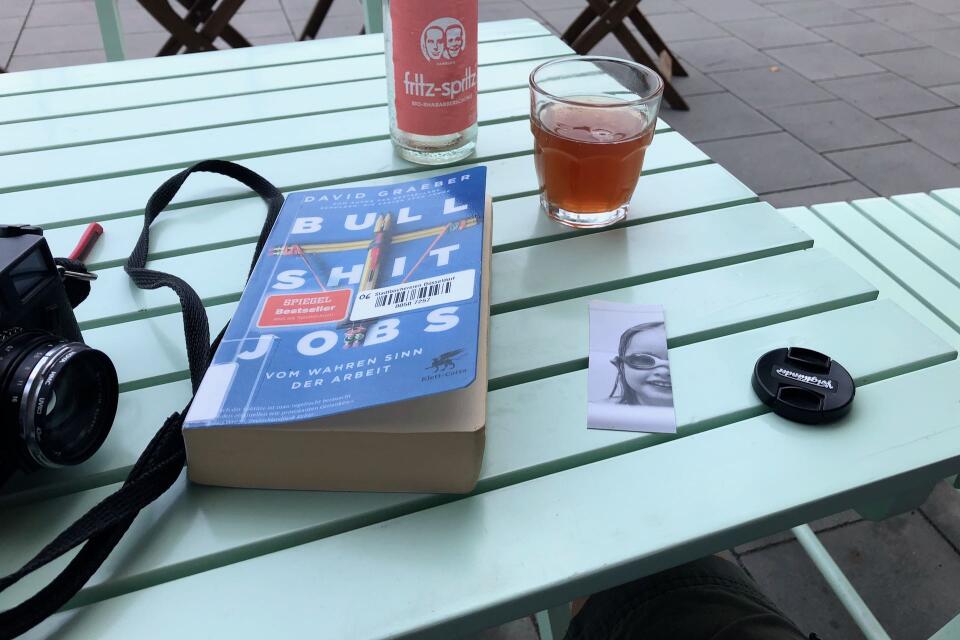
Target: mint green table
{"type": "Point", "coordinates": [560, 511]}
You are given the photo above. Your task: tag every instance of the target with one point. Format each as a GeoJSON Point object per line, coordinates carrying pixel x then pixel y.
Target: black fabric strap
{"type": "Point", "coordinates": [195, 327]}
{"type": "Point", "coordinates": [160, 464]}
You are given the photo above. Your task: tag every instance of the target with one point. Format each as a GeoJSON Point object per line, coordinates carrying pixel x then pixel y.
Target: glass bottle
{"type": "Point", "coordinates": [431, 54]}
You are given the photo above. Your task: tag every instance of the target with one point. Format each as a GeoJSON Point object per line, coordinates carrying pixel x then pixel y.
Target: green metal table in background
{"type": "Point", "coordinates": [560, 511]}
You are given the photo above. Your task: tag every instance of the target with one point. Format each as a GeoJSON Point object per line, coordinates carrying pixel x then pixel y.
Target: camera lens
{"type": "Point", "coordinates": [59, 397]}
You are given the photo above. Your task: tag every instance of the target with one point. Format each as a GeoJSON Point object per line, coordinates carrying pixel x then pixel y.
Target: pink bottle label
{"type": "Point", "coordinates": [435, 65]}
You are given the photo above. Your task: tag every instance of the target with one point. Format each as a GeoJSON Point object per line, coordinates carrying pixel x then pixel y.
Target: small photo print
{"type": "Point", "coordinates": [629, 384]}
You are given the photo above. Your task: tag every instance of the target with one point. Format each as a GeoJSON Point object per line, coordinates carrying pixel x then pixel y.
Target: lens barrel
{"type": "Point", "coordinates": [58, 398]}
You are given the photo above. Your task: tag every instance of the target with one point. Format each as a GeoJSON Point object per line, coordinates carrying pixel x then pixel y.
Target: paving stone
{"type": "Point", "coordinates": [505, 11]}
{"type": "Point", "coordinates": [10, 29]}
{"type": "Point", "coordinates": [904, 570]}
{"type": "Point", "coordinates": [905, 167]}
{"type": "Point", "coordinates": [861, 4]}
{"type": "Point", "coordinates": [332, 27]}
{"type": "Point", "coordinates": [49, 60]}
{"type": "Point", "coordinates": [674, 27]}
{"type": "Point", "coordinates": [6, 50]}
{"type": "Point", "coordinates": [253, 6]}
{"type": "Point", "coordinates": [790, 579]}
{"type": "Point", "coordinates": [831, 126]}
{"type": "Point", "coordinates": [816, 13]}
{"type": "Point", "coordinates": [950, 92]}
{"type": "Point", "coordinates": [926, 67]}
{"type": "Point", "coordinates": [42, 40]}
{"type": "Point", "coordinates": [14, 8]}
{"type": "Point", "coordinates": [868, 37]}
{"type": "Point", "coordinates": [145, 44]}
{"type": "Point", "coordinates": [830, 522]}
{"type": "Point", "coordinates": [823, 61]}
{"type": "Point", "coordinates": [718, 115]}
{"type": "Point", "coordinates": [765, 88]}
{"type": "Point", "coordinates": [261, 40]}
{"type": "Point", "coordinates": [938, 131]}
{"type": "Point", "coordinates": [904, 17]}
{"type": "Point", "coordinates": [773, 162]}
{"type": "Point", "coordinates": [721, 54]}
{"type": "Point", "coordinates": [547, 5]}
{"type": "Point", "coordinates": [137, 20]}
{"type": "Point", "coordinates": [559, 19]}
{"type": "Point", "coordinates": [695, 83]}
{"type": "Point", "coordinates": [944, 39]}
{"type": "Point", "coordinates": [840, 192]}
{"type": "Point", "coordinates": [652, 7]}
{"type": "Point", "coordinates": [728, 9]}
{"type": "Point", "coordinates": [884, 94]}
{"type": "Point", "coordinates": [300, 9]}
{"type": "Point", "coordinates": [771, 32]}
{"type": "Point", "coordinates": [942, 508]}
{"type": "Point", "coordinates": [262, 23]}
{"type": "Point", "coordinates": [940, 6]}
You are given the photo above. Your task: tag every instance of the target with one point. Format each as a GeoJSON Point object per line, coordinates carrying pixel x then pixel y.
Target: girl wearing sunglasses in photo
{"type": "Point", "coordinates": [643, 374]}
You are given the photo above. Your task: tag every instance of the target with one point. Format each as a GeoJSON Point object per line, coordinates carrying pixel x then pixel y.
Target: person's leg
{"type": "Point", "coordinates": [709, 599]}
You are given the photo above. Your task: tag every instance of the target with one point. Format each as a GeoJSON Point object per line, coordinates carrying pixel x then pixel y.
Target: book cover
{"type": "Point", "coordinates": [361, 297]}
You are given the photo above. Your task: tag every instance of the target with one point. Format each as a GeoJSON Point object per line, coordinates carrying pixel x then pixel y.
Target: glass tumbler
{"type": "Point", "coordinates": [592, 119]}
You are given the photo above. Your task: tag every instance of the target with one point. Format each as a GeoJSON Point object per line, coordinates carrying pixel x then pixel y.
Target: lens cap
{"type": "Point", "coordinates": [803, 385]}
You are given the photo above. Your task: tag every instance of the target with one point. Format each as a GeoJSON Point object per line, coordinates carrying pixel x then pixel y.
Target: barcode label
{"type": "Point", "coordinates": [430, 292]}
{"type": "Point", "coordinates": [413, 294]}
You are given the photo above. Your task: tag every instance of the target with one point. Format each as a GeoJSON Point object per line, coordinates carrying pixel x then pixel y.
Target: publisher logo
{"type": "Point", "coordinates": [445, 361]}
{"type": "Point", "coordinates": [443, 39]}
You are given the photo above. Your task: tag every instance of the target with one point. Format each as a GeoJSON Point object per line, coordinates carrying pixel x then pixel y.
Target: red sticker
{"type": "Point", "coordinates": [435, 65]}
{"type": "Point", "coordinates": [305, 308]}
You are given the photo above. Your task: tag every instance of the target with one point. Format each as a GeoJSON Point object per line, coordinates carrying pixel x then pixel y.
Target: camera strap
{"type": "Point", "coordinates": [161, 463]}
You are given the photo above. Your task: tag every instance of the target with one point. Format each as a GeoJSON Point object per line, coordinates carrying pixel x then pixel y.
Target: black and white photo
{"type": "Point", "coordinates": [629, 383]}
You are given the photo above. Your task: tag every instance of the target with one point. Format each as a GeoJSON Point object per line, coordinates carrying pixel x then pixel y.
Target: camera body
{"type": "Point", "coordinates": [32, 293]}
{"type": "Point", "coordinates": [58, 396]}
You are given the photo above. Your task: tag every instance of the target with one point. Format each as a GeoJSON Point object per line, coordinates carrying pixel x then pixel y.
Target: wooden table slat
{"type": "Point", "coordinates": [636, 254]}
{"type": "Point", "coordinates": [702, 305]}
{"type": "Point", "coordinates": [517, 221]}
{"type": "Point", "coordinates": [236, 109]}
{"type": "Point", "coordinates": [338, 129]}
{"type": "Point", "coordinates": [534, 429]}
{"type": "Point", "coordinates": [825, 237]}
{"type": "Point", "coordinates": [97, 99]}
{"type": "Point", "coordinates": [114, 197]}
{"type": "Point", "coordinates": [941, 255]}
{"type": "Point", "coordinates": [937, 293]}
{"type": "Point", "coordinates": [213, 63]}
{"type": "Point", "coordinates": [949, 197]}
{"type": "Point", "coordinates": [938, 218]}
{"type": "Point", "coordinates": [445, 571]}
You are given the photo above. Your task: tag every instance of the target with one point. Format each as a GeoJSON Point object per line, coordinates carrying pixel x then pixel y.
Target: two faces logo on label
{"type": "Point", "coordinates": [443, 39]}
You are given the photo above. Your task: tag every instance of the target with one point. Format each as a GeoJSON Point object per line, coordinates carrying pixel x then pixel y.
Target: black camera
{"type": "Point", "coordinates": [58, 397]}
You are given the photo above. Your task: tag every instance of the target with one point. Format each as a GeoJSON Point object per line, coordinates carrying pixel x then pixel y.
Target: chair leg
{"type": "Point", "coordinates": [656, 42]}
{"type": "Point", "coordinates": [610, 15]}
{"type": "Point", "coordinates": [673, 98]}
{"type": "Point", "coordinates": [315, 21]}
{"type": "Point", "coordinates": [182, 32]}
{"type": "Point", "coordinates": [214, 26]}
{"type": "Point", "coordinates": [580, 23]}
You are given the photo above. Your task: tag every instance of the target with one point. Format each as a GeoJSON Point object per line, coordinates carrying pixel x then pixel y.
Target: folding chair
{"type": "Point", "coordinates": [602, 17]}
{"type": "Point", "coordinates": [204, 22]}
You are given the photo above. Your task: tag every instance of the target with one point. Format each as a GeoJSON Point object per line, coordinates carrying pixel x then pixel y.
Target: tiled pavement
{"type": "Point", "coordinates": [806, 101]}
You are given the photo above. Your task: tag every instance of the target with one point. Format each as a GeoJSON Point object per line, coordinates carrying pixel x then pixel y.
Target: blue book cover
{"type": "Point", "coordinates": [361, 297]}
